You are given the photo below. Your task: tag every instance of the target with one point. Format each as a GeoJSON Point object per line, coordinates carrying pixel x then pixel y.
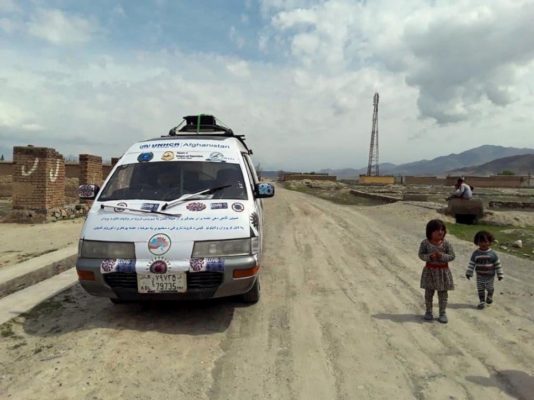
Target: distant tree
{"type": "Point", "coordinates": [2, 158]}
{"type": "Point", "coordinates": [506, 172]}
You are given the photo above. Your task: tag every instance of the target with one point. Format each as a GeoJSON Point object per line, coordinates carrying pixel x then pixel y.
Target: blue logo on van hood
{"type": "Point", "coordinates": [144, 157]}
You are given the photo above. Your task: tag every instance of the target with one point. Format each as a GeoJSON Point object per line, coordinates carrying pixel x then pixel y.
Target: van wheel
{"type": "Point", "coordinates": [253, 295]}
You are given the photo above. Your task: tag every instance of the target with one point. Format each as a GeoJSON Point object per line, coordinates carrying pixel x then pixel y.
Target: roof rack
{"type": "Point", "coordinates": [205, 124]}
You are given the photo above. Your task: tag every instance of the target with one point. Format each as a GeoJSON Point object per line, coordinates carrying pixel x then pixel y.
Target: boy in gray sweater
{"type": "Point", "coordinates": [486, 263]}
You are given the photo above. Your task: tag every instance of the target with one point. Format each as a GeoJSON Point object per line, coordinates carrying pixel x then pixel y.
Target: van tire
{"type": "Point", "coordinates": [253, 295]}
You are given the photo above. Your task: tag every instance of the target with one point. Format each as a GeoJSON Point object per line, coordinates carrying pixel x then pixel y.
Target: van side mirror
{"type": "Point", "coordinates": [88, 192]}
{"type": "Point", "coordinates": [263, 190]}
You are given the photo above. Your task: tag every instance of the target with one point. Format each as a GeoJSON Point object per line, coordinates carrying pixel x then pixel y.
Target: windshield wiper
{"type": "Point", "coordinates": [102, 206]}
{"type": "Point", "coordinates": [192, 196]}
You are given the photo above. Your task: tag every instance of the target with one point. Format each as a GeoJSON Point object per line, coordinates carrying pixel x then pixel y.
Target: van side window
{"type": "Point", "coordinates": [249, 173]}
{"type": "Point", "coordinates": [250, 169]}
{"type": "Point", "coordinates": [123, 177]}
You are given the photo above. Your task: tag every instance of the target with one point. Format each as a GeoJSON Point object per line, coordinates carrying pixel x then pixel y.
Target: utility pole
{"type": "Point", "coordinates": [372, 168]}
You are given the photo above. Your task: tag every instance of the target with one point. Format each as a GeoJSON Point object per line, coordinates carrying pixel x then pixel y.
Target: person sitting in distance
{"type": "Point", "coordinates": [463, 190]}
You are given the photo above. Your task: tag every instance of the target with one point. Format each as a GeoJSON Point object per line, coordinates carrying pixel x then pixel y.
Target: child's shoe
{"type": "Point", "coordinates": [481, 305]}
{"type": "Point", "coordinates": [428, 316]}
{"type": "Point", "coordinates": [443, 318]}
{"type": "Point", "coordinates": [489, 300]}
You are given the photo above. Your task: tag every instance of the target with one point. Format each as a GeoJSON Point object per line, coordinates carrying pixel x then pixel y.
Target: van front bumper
{"type": "Point", "coordinates": [200, 285]}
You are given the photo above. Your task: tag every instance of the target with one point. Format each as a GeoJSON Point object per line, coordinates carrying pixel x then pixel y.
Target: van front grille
{"type": "Point", "coordinates": [196, 280]}
{"type": "Point", "coordinates": [204, 280]}
{"type": "Point", "coordinates": [125, 280]}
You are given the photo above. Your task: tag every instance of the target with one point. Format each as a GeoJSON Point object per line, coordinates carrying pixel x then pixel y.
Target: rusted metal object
{"type": "Point", "coordinates": [465, 211]}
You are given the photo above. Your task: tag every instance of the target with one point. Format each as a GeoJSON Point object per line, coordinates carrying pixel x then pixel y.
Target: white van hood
{"type": "Point", "coordinates": [195, 221]}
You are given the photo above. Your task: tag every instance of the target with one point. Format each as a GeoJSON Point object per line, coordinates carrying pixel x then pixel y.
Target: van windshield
{"type": "Point", "coordinates": [168, 180]}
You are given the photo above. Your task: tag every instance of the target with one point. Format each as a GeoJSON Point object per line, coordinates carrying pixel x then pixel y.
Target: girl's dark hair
{"type": "Point", "coordinates": [483, 236]}
{"type": "Point", "coordinates": [434, 225]}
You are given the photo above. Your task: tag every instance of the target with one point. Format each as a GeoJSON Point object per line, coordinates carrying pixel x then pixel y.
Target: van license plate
{"type": "Point", "coordinates": [174, 282]}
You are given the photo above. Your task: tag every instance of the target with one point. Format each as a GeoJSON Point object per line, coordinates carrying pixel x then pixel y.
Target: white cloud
{"type": "Point", "coordinates": [58, 27]}
{"type": "Point", "coordinates": [9, 6]}
{"type": "Point", "coordinates": [309, 109]}
{"type": "Point", "coordinates": [10, 115]}
{"type": "Point", "coordinates": [118, 10]}
{"type": "Point", "coordinates": [32, 127]}
{"type": "Point", "coordinates": [293, 119]}
{"type": "Point", "coordinates": [320, 34]}
{"type": "Point", "coordinates": [239, 69]}
{"type": "Point", "coordinates": [236, 38]}
{"type": "Point", "coordinates": [462, 56]}
{"type": "Point", "coordinates": [9, 26]}
{"type": "Point", "coordinates": [264, 41]}
{"type": "Point", "coordinates": [462, 59]}
{"type": "Point", "coordinates": [268, 6]}
{"type": "Point", "coordinates": [295, 18]}
{"type": "Point", "coordinates": [305, 46]}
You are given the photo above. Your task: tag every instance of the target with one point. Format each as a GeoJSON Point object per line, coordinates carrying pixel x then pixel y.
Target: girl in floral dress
{"type": "Point", "coordinates": [436, 276]}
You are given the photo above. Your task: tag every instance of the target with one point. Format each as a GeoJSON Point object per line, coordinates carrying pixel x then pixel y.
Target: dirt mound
{"type": "Point", "coordinates": [308, 183]}
{"type": "Point", "coordinates": [514, 218]}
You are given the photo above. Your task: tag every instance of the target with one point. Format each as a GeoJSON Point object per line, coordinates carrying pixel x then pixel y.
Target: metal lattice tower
{"type": "Point", "coordinates": [372, 168]}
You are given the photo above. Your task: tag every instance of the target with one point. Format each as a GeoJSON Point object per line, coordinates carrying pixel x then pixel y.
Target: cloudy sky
{"type": "Point", "coordinates": [296, 76]}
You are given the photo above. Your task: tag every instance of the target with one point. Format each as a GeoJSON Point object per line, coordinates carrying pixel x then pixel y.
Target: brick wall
{"type": "Point", "coordinates": [90, 169]}
{"type": "Point", "coordinates": [376, 180]}
{"type": "Point", "coordinates": [38, 179]}
{"type": "Point", "coordinates": [72, 170]}
{"type": "Point", "coordinates": [6, 168]}
{"type": "Point", "coordinates": [6, 186]}
{"type": "Point", "coordinates": [424, 180]}
{"type": "Point", "coordinates": [502, 181]}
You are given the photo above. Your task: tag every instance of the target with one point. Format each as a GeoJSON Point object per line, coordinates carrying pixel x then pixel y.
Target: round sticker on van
{"type": "Point", "coordinates": [159, 244]}
{"type": "Point", "coordinates": [167, 156]}
{"type": "Point", "coordinates": [195, 206]}
{"type": "Point", "coordinates": [238, 207]}
{"type": "Point", "coordinates": [158, 267]}
{"type": "Point", "coordinates": [216, 156]}
{"type": "Point", "coordinates": [145, 157]}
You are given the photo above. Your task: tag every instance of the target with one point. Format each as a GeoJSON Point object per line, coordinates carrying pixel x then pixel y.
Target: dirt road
{"type": "Point", "coordinates": [21, 242]}
{"type": "Point", "coordinates": [339, 318]}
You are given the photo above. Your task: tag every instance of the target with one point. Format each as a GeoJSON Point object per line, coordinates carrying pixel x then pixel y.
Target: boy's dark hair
{"type": "Point", "coordinates": [434, 225]}
{"type": "Point", "coordinates": [483, 235]}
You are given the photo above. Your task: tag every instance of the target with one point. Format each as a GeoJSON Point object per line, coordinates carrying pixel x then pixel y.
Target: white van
{"type": "Point", "coordinates": [179, 217]}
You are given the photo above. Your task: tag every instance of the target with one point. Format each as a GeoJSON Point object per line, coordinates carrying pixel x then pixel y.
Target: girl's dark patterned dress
{"type": "Point", "coordinates": [436, 275]}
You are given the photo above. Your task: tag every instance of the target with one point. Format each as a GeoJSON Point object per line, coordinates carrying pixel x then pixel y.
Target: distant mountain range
{"type": "Point", "coordinates": [471, 162]}
{"type": "Point", "coordinates": [519, 165]}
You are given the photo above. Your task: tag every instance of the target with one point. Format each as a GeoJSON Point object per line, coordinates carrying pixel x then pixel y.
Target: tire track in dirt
{"type": "Point", "coordinates": [444, 339]}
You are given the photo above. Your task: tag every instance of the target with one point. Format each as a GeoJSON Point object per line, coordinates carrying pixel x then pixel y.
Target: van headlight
{"type": "Point", "coordinates": [96, 249]}
{"type": "Point", "coordinates": [213, 248]}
